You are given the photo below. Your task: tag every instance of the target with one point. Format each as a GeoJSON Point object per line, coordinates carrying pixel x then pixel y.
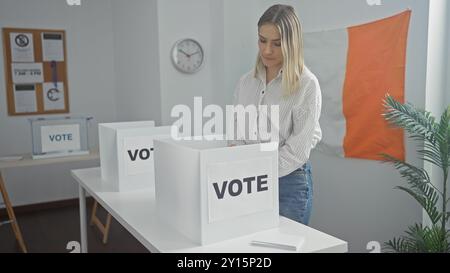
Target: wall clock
{"type": "Point", "coordinates": [187, 56]}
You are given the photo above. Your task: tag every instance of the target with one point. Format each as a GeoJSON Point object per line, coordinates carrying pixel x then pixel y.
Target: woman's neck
{"type": "Point", "coordinates": [271, 73]}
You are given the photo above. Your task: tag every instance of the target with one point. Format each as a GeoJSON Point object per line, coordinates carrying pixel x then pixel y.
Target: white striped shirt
{"type": "Point", "coordinates": [299, 130]}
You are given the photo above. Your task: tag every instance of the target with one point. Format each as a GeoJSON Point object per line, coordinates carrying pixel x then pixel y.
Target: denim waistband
{"type": "Point", "coordinates": [305, 167]}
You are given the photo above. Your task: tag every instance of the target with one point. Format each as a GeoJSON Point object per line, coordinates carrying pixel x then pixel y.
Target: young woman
{"type": "Point", "coordinates": [281, 78]}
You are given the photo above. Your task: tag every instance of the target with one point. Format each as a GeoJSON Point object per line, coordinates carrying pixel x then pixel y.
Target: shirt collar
{"type": "Point", "coordinates": [261, 73]}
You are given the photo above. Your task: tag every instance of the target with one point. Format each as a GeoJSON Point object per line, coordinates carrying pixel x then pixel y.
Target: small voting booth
{"type": "Point", "coordinates": [59, 136]}
{"type": "Point", "coordinates": [126, 154]}
{"type": "Point", "coordinates": [210, 192]}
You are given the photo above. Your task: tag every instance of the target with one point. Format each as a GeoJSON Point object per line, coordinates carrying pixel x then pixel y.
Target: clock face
{"type": "Point", "coordinates": [187, 56]}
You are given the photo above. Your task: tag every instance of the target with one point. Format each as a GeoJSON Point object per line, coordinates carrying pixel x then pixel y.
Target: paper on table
{"type": "Point", "coordinates": [279, 241]}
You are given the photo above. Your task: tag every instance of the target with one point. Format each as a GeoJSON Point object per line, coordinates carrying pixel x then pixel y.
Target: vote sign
{"type": "Point", "coordinates": [138, 154]}
{"type": "Point", "coordinates": [60, 138]}
{"type": "Point", "coordinates": [239, 188]}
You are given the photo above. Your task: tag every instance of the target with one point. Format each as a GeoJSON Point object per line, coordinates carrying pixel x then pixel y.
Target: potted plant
{"type": "Point", "coordinates": [435, 136]}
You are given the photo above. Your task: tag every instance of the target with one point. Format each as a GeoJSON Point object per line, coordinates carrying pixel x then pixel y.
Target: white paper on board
{"type": "Point", "coordinates": [22, 47]}
{"type": "Point", "coordinates": [52, 46]}
{"type": "Point", "coordinates": [222, 205]}
{"type": "Point", "coordinates": [25, 98]}
{"type": "Point", "coordinates": [53, 96]}
{"type": "Point", "coordinates": [27, 73]}
{"type": "Point", "coordinates": [57, 138]}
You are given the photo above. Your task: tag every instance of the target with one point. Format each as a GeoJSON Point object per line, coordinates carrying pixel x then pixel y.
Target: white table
{"type": "Point", "coordinates": [135, 211]}
{"type": "Point", "coordinates": [27, 161]}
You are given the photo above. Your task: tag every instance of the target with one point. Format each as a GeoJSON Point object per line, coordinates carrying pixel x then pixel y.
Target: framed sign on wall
{"type": "Point", "coordinates": [35, 71]}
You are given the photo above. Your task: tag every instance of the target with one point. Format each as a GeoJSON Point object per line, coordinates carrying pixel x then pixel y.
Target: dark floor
{"type": "Point", "coordinates": [49, 231]}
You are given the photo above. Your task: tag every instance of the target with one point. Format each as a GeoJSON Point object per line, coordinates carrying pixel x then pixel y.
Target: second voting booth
{"type": "Point", "coordinates": [126, 153]}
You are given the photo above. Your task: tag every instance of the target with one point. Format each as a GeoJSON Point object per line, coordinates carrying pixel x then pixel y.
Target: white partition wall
{"type": "Point", "coordinates": [126, 154]}
{"type": "Point", "coordinates": [210, 192]}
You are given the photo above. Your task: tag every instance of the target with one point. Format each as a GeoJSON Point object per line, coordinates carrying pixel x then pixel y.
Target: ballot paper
{"type": "Point", "coordinates": [278, 241]}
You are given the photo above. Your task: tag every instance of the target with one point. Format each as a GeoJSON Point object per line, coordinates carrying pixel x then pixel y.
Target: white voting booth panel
{"type": "Point", "coordinates": [126, 154]}
{"type": "Point", "coordinates": [210, 192]}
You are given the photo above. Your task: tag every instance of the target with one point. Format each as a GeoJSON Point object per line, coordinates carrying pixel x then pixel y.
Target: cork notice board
{"type": "Point", "coordinates": [35, 71]}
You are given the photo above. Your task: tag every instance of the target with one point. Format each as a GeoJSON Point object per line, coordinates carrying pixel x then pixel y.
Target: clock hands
{"type": "Point", "coordinates": [188, 55]}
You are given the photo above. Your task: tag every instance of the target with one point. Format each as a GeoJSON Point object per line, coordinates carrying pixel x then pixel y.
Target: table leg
{"type": "Point", "coordinates": [12, 216]}
{"type": "Point", "coordinates": [83, 220]}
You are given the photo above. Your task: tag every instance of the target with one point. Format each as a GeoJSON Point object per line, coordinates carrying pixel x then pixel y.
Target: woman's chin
{"type": "Point", "coordinates": [271, 65]}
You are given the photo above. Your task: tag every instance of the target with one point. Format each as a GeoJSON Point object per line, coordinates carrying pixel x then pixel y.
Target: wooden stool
{"type": "Point", "coordinates": [11, 215]}
{"type": "Point", "coordinates": [104, 228]}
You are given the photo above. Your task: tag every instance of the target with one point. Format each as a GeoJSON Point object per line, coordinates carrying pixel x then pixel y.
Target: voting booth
{"type": "Point", "coordinates": [210, 192]}
{"type": "Point", "coordinates": [59, 136]}
{"type": "Point", "coordinates": [126, 154]}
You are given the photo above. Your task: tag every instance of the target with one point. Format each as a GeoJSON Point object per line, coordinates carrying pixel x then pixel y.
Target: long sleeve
{"type": "Point", "coordinates": [236, 101]}
{"type": "Point", "coordinates": [306, 132]}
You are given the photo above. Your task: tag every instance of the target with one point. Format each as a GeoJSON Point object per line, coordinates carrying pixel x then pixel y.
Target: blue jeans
{"type": "Point", "coordinates": [296, 194]}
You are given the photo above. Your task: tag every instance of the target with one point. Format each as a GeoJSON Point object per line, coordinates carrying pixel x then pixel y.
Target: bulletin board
{"type": "Point", "coordinates": [35, 71]}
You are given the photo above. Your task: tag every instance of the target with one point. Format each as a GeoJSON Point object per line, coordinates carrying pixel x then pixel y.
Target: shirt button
{"type": "Point", "coordinates": [263, 91]}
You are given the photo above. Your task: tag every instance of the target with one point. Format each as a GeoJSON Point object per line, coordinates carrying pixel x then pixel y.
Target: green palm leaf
{"type": "Point", "coordinates": [432, 157]}
{"type": "Point", "coordinates": [397, 245]}
{"type": "Point", "coordinates": [421, 188]}
{"type": "Point", "coordinates": [444, 132]}
{"type": "Point", "coordinates": [428, 204]}
{"type": "Point", "coordinates": [435, 139]}
{"type": "Point", "coordinates": [419, 124]}
{"type": "Point", "coordinates": [419, 239]}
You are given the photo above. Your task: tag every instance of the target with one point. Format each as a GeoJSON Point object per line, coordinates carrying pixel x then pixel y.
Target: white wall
{"type": "Point", "coordinates": [437, 74]}
{"type": "Point", "coordinates": [219, 56]}
{"type": "Point", "coordinates": [185, 19]}
{"type": "Point", "coordinates": [447, 90]}
{"type": "Point", "coordinates": [91, 83]}
{"type": "Point", "coordinates": [354, 199]}
{"type": "Point", "coordinates": [147, 84]}
{"type": "Point", "coordinates": [136, 57]}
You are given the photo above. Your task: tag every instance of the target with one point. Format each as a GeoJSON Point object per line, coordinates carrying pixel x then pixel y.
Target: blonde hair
{"type": "Point", "coordinates": [288, 24]}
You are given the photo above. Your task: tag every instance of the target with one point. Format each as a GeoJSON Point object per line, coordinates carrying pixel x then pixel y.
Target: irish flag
{"type": "Point", "coordinates": [356, 67]}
